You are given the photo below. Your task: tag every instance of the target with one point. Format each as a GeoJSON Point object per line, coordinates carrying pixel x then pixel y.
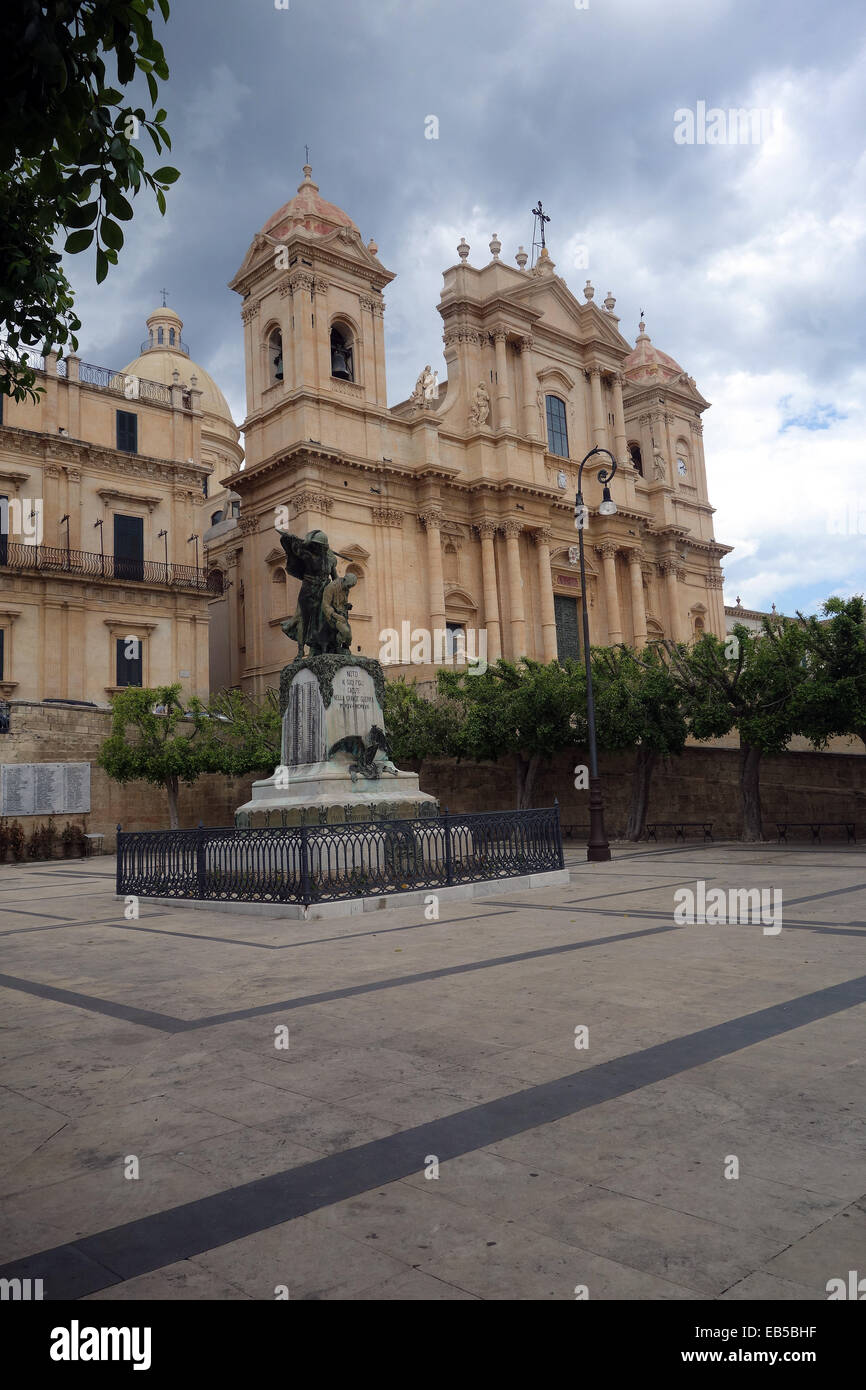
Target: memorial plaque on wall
{"type": "Point", "coordinates": [48, 789]}
{"type": "Point", "coordinates": [16, 789]}
{"type": "Point", "coordinates": [44, 789]}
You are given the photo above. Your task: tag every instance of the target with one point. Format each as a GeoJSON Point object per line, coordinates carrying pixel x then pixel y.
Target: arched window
{"type": "Point", "coordinates": [636, 459]}
{"type": "Point", "coordinates": [557, 430]}
{"type": "Point", "coordinates": [159, 335]}
{"type": "Point", "coordinates": [171, 336]}
{"type": "Point", "coordinates": [699, 629]}
{"type": "Point", "coordinates": [216, 517]}
{"type": "Point", "coordinates": [275, 356]}
{"type": "Point", "coordinates": [342, 354]}
{"type": "Point", "coordinates": [683, 460]}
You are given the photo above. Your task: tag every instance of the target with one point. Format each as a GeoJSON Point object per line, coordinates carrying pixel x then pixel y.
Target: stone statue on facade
{"type": "Point", "coordinates": [311, 559]}
{"type": "Point", "coordinates": [660, 468]}
{"type": "Point", "coordinates": [480, 405]}
{"type": "Point", "coordinates": [426, 389]}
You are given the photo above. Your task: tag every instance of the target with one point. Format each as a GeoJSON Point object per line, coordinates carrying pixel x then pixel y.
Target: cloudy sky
{"type": "Point", "coordinates": [748, 258]}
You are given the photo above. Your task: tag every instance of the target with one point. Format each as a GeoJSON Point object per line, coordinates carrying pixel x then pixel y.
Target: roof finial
{"type": "Point", "coordinates": [163, 293]}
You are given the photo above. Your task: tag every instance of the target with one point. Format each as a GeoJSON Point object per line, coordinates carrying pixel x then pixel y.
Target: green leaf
{"type": "Point", "coordinates": [117, 205]}
{"type": "Point", "coordinates": [166, 175]}
{"type": "Point", "coordinates": [110, 234]}
{"type": "Point", "coordinates": [81, 216]}
{"type": "Point", "coordinates": [101, 265]}
{"type": "Point", "coordinates": [79, 241]}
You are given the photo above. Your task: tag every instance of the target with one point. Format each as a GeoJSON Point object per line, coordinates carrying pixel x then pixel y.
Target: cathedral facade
{"type": "Point", "coordinates": [455, 507]}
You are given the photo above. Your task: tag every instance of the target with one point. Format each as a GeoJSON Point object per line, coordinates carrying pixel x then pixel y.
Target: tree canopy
{"type": "Point", "coordinates": [70, 153]}
{"type": "Point", "coordinates": [833, 700]}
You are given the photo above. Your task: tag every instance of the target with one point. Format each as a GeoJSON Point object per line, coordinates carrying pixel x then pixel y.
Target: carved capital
{"type": "Point", "coordinates": [512, 528]}
{"type": "Point", "coordinates": [635, 558]}
{"type": "Point", "coordinates": [302, 280]}
{"type": "Point", "coordinates": [387, 516]}
{"type": "Point", "coordinates": [431, 518]}
{"type": "Point", "coordinates": [322, 285]}
{"type": "Point", "coordinates": [233, 558]}
{"type": "Point", "coordinates": [525, 343]}
{"type": "Point", "coordinates": [608, 548]}
{"type": "Point", "coordinates": [464, 334]}
{"type": "Point", "coordinates": [499, 335]}
{"type": "Point", "coordinates": [310, 501]}
{"type": "Point", "coordinates": [486, 527]}
{"type": "Point", "coordinates": [543, 536]}
{"type": "Point", "coordinates": [249, 311]}
{"type": "Point", "coordinates": [715, 579]}
{"type": "Point", "coordinates": [249, 525]}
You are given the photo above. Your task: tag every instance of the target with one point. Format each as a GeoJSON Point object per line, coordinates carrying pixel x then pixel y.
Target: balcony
{"type": "Point", "coordinates": [86, 564]}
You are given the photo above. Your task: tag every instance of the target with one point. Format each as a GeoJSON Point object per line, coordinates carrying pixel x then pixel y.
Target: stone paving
{"type": "Point", "coordinates": [415, 1046]}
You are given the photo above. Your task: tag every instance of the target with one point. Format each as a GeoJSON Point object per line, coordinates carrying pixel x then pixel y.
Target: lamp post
{"type": "Point", "coordinates": [101, 548]}
{"type": "Point", "coordinates": [194, 538]}
{"type": "Point", "coordinates": [163, 536]}
{"type": "Point", "coordinates": [62, 520]}
{"type": "Point", "coordinates": [597, 848]}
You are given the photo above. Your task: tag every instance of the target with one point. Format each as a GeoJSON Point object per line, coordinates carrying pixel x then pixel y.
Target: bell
{"type": "Point", "coordinates": [278, 367]}
{"type": "Point", "coordinates": [339, 364]}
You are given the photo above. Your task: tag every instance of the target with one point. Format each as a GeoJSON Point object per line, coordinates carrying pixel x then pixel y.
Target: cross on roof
{"type": "Point", "coordinates": [164, 294]}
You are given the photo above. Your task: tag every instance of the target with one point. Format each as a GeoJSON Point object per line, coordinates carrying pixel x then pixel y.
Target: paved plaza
{"type": "Point", "coordinates": [207, 1106]}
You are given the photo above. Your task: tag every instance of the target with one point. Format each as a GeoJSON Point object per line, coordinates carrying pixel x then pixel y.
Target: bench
{"type": "Point", "coordinates": [93, 844]}
{"type": "Point", "coordinates": [570, 831]}
{"type": "Point", "coordinates": [679, 828]}
{"type": "Point", "coordinates": [816, 826]}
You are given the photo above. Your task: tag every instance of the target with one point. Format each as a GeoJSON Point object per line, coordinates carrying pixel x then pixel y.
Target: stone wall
{"type": "Point", "coordinates": [702, 784]}
{"type": "Point", "coordinates": [46, 733]}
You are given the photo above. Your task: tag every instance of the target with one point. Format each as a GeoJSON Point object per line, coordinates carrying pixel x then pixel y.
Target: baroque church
{"type": "Point", "coordinates": [455, 507]}
{"type": "Point", "coordinates": [137, 538]}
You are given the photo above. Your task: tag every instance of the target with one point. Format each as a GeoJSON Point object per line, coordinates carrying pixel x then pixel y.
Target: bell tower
{"type": "Point", "coordinates": [314, 339]}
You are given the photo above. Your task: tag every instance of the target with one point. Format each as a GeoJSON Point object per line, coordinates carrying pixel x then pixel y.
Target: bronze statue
{"type": "Point", "coordinates": [312, 560]}
{"type": "Point", "coordinates": [336, 608]}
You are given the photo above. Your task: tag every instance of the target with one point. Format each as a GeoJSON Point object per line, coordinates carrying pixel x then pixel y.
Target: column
{"type": "Point", "coordinates": [432, 520]}
{"type": "Point", "coordinates": [672, 575]}
{"type": "Point", "coordinates": [232, 583]}
{"type": "Point", "coordinates": [503, 397]}
{"type": "Point", "coordinates": [542, 540]}
{"type": "Point", "coordinates": [512, 530]}
{"type": "Point", "coordinates": [620, 442]}
{"type": "Point", "coordinates": [614, 621]}
{"type": "Point", "coordinates": [638, 607]}
{"type": "Point", "coordinates": [487, 532]}
{"type": "Point", "coordinates": [599, 431]}
{"type": "Point", "coordinates": [529, 379]}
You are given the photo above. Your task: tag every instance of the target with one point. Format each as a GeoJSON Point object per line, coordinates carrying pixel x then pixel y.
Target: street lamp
{"type": "Point", "coordinates": [598, 848]}
{"type": "Point", "coordinates": [194, 537]}
{"type": "Point", "coordinates": [101, 548]}
{"type": "Point", "coordinates": [66, 520]}
{"type": "Point", "coordinates": [163, 536]}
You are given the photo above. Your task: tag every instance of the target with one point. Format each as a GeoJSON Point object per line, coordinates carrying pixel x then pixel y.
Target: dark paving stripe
{"type": "Point", "coordinates": [182, 1025]}
{"type": "Point", "coordinates": [73, 922]}
{"type": "Point", "coordinates": [139, 1247]}
{"type": "Point", "coordinates": [649, 915]}
{"type": "Point", "coordinates": [312, 941]}
{"type": "Point", "coordinates": [32, 912]}
{"type": "Point", "coordinates": [164, 1022]}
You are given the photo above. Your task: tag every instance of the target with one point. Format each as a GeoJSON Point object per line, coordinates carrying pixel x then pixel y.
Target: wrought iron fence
{"type": "Point", "coordinates": [125, 384]}
{"type": "Point", "coordinates": [14, 555]}
{"type": "Point", "coordinates": [327, 863]}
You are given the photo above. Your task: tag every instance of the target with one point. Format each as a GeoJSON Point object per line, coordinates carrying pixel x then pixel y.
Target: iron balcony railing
{"type": "Point", "coordinates": [327, 863]}
{"type": "Point", "coordinates": [86, 563]}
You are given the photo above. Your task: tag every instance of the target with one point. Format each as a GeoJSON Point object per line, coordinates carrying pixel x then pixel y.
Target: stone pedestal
{"type": "Point", "coordinates": [335, 762]}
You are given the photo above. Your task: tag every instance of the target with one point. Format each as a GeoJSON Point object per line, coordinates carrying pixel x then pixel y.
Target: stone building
{"type": "Point", "coordinates": [455, 507]}
{"type": "Point", "coordinates": [101, 486]}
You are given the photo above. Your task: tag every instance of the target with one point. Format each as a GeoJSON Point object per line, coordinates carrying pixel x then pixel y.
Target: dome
{"type": "Point", "coordinates": [645, 365]}
{"type": "Point", "coordinates": [308, 210]}
{"type": "Point", "coordinates": [163, 353]}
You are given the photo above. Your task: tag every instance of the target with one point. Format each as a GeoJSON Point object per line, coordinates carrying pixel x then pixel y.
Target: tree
{"type": "Point", "coordinates": [243, 735]}
{"type": "Point", "coordinates": [155, 738]}
{"type": "Point", "coordinates": [748, 682]}
{"type": "Point", "coordinates": [419, 728]}
{"type": "Point", "coordinates": [638, 705]}
{"type": "Point", "coordinates": [832, 701]}
{"type": "Point", "coordinates": [68, 156]}
{"type": "Point", "coordinates": [531, 711]}
{"type": "Point", "coordinates": [147, 746]}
